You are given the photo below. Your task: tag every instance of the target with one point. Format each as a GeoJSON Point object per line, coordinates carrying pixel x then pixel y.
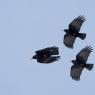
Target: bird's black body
{"type": "Point", "coordinates": [47, 55]}
{"type": "Point", "coordinates": [73, 31]}
{"type": "Point", "coordinates": [80, 63]}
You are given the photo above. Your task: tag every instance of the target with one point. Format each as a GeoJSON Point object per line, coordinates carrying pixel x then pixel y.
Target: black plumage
{"type": "Point", "coordinates": [80, 63]}
{"type": "Point", "coordinates": [47, 55]}
{"type": "Point", "coordinates": [73, 31]}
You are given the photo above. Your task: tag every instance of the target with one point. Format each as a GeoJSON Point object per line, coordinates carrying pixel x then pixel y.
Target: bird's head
{"type": "Point", "coordinates": [73, 61]}
{"type": "Point", "coordinates": [66, 30]}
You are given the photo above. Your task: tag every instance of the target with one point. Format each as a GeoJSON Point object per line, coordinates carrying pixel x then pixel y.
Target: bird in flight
{"type": "Point", "coordinates": [47, 55]}
{"type": "Point", "coordinates": [73, 32]}
{"type": "Point", "coordinates": [80, 63]}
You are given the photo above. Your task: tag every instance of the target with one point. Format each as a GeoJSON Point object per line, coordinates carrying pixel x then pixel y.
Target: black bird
{"type": "Point", "coordinates": [73, 32]}
{"type": "Point", "coordinates": [47, 55]}
{"type": "Point", "coordinates": [80, 63]}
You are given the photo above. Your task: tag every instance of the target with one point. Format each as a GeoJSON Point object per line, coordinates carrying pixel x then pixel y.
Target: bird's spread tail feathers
{"type": "Point", "coordinates": [89, 66]}
{"type": "Point", "coordinates": [82, 36]}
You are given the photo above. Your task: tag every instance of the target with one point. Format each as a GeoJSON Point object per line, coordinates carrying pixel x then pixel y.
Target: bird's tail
{"type": "Point", "coordinates": [55, 58]}
{"type": "Point", "coordinates": [51, 59]}
{"type": "Point", "coordinates": [89, 66]}
{"type": "Point", "coordinates": [82, 36]}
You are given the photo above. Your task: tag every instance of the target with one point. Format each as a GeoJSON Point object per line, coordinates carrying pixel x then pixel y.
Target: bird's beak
{"type": "Point", "coordinates": [34, 57]}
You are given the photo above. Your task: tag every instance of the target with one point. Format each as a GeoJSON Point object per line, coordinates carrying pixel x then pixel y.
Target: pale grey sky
{"type": "Point", "coordinates": [29, 25]}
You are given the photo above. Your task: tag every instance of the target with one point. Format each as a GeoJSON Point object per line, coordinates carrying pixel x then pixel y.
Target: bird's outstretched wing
{"type": "Point", "coordinates": [52, 50]}
{"type": "Point", "coordinates": [76, 24]}
{"type": "Point", "coordinates": [69, 40]}
{"type": "Point", "coordinates": [84, 54]}
{"type": "Point", "coordinates": [76, 71]}
{"type": "Point", "coordinates": [48, 60]}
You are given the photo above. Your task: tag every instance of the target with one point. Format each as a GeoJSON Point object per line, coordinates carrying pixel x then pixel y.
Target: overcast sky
{"type": "Point", "coordinates": [30, 25]}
